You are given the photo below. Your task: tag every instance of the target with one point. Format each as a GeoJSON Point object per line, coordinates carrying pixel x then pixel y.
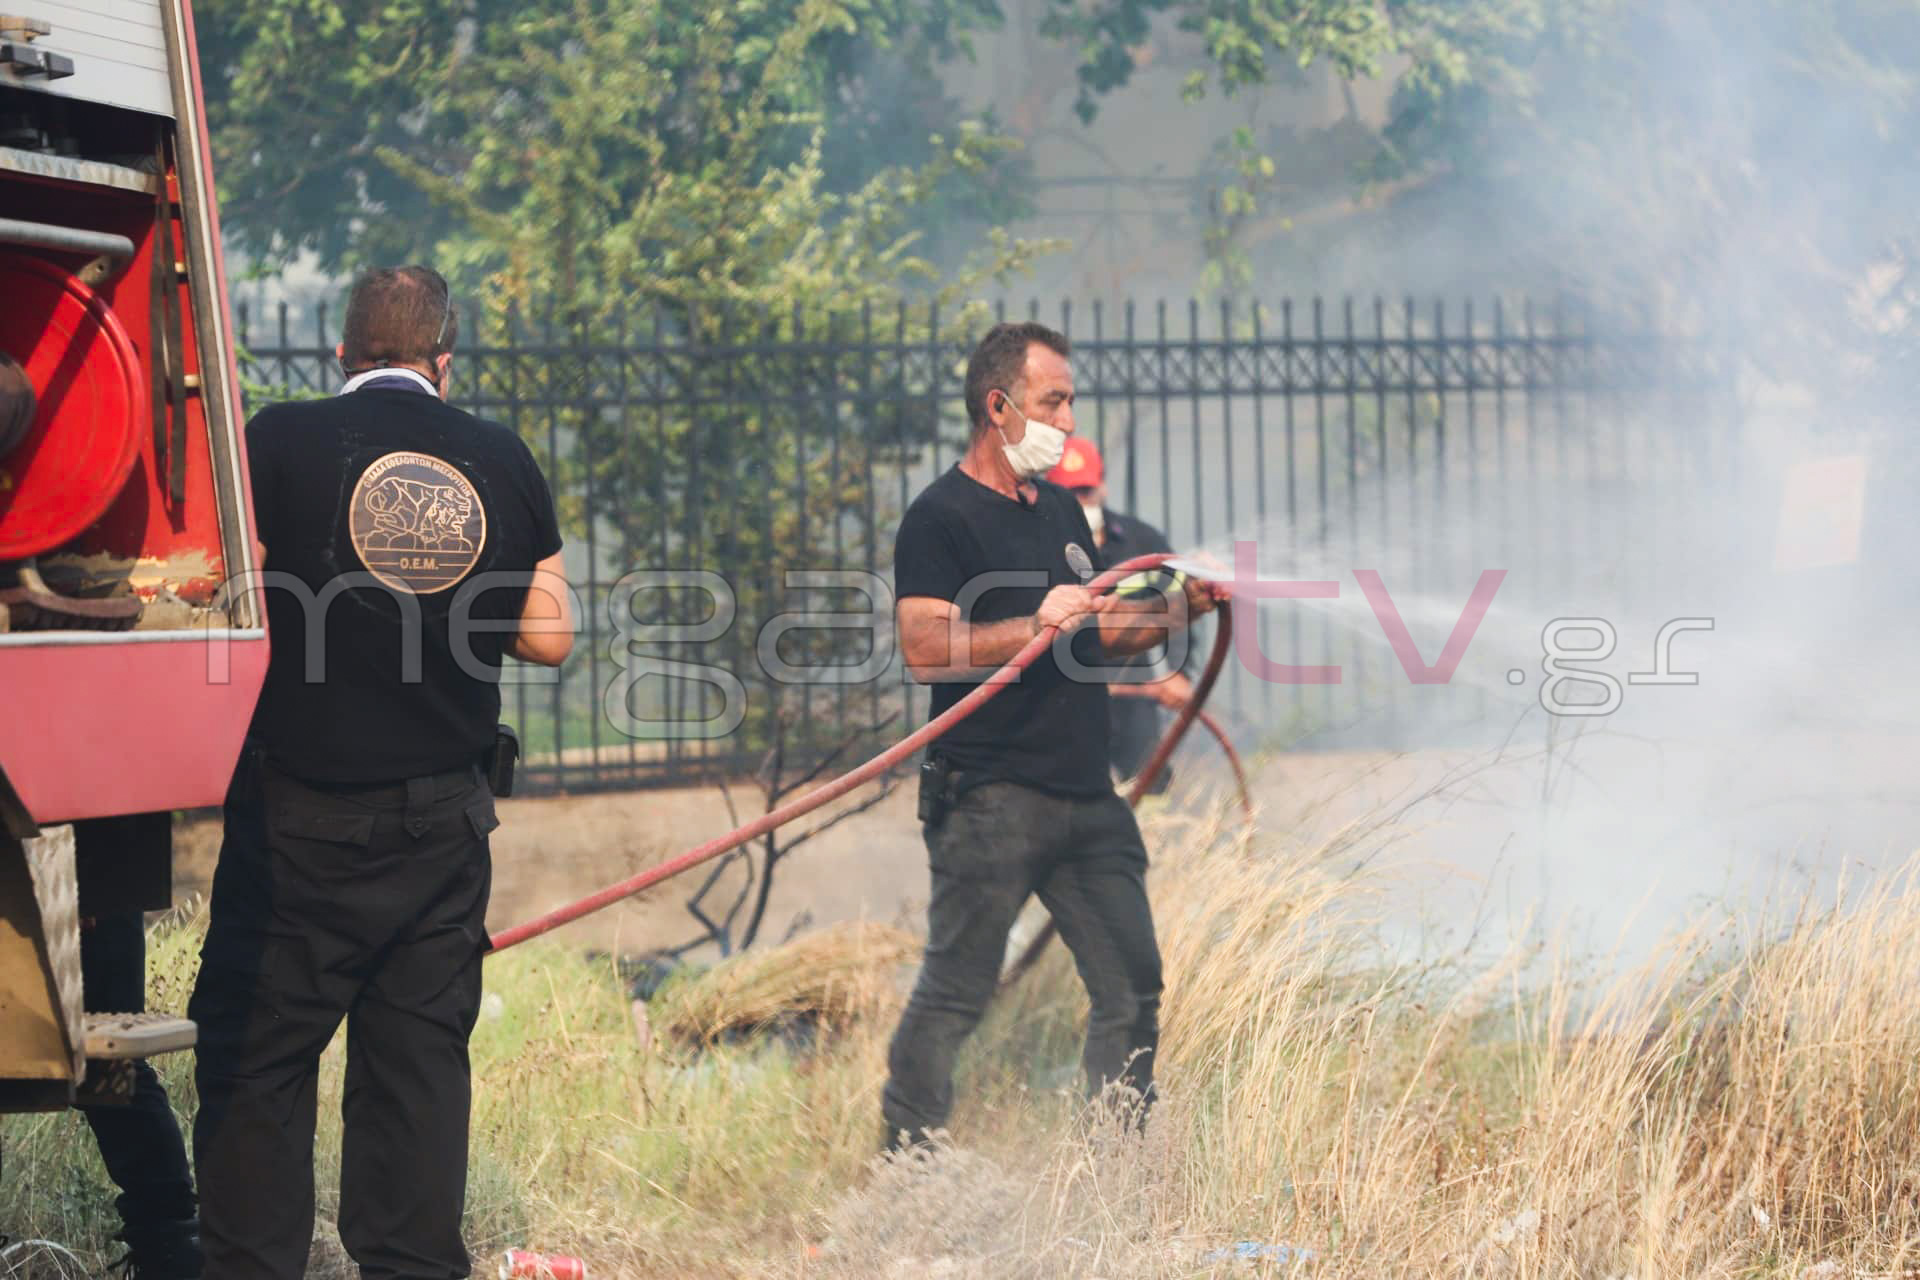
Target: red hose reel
{"type": "Point", "coordinates": [85, 435]}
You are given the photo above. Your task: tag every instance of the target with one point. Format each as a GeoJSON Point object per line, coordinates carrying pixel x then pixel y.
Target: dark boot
{"type": "Point", "coordinates": [162, 1251]}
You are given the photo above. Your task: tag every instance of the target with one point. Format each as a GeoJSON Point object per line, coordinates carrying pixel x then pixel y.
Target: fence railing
{"type": "Point", "coordinates": [716, 455]}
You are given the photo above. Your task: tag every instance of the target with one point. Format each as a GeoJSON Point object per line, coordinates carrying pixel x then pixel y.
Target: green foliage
{"type": "Point", "coordinates": [677, 163]}
{"type": "Point", "coordinates": [1248, 43]}
{"type": "Point", "coordinates": [255, 392]}
{"type": "Point", "coordinates": [313, 100]}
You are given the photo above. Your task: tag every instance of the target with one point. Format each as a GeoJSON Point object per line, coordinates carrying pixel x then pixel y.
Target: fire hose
{"type": "Point", "coordinates": [894, 755]}
{"type": "Point", "coordinates": [1213, 726]}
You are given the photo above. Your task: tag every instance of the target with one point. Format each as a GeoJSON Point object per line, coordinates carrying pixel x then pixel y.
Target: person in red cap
{"type": "Point", "coordinates": [1135, 722]}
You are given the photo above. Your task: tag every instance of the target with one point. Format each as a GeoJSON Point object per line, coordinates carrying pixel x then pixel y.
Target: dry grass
{"type": "Point", "coordinates": [1743, 1105]}
{"type": "Point", "coordinates": [828, 980]}
{"type": "Point", "coordinates": [1747, 1104]}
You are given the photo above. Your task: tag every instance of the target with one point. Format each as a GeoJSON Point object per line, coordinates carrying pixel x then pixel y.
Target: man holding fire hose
{"type": "Point", "coordinates": [1017, 799]}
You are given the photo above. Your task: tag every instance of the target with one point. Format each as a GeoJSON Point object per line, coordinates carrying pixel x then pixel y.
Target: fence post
{"type": "Point", "coordinates": [587, 430]}
{"type": "Point", "coordinates": [1259, 364]}
{"type": "Point", "coordinates": [1133, 415]}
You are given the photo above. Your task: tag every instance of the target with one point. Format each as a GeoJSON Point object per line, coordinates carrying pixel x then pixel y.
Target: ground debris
{"type": "Point", "coordinates": [826, 980]}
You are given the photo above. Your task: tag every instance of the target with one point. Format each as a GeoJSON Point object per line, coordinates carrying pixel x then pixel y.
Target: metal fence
{"type": "Point", "coordinates": [1427, 438]}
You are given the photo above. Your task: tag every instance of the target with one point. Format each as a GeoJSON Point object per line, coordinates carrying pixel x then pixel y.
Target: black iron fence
{"type": "Point", "coordinates": [709, 467]}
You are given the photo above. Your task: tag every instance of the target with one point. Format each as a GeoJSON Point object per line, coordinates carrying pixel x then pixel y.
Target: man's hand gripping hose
{"type": "Point", "coordinates": [894, 755]}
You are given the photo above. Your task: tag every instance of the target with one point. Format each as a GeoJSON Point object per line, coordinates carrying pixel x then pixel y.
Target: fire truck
{"type": "Point", "coordinates": [129, 660]}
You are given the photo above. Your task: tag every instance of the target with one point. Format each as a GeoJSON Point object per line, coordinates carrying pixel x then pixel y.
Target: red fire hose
{"type": "Point", "coordinates": [894, 755]}
{"type": "Point", "coordinates": [1212, 726]}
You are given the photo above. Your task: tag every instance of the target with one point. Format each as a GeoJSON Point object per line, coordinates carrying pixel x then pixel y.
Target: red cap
{"type": "Point", "coordinates": [1079, 467]}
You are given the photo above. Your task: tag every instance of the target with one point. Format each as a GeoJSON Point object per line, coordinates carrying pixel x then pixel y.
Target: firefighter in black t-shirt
{"type": "Point", "coordinates": [1017, 799]}
{"type": "Point", "coordinates": [1134, 715]}
{"type": "Point", "coordinates": [409, 547]}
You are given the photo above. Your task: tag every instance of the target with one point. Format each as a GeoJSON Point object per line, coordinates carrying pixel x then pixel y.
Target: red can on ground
{"type": "Point", "coordinates": [519, 1264]}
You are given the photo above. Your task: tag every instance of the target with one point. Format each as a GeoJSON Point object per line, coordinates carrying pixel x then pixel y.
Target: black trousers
{"type": "Point", "coordinates": [139, 1140]}
{"type": "Point", "coordinates": [997, 846]}
{"type": "Point", "coordinates": [368, 907]}
{"type": "Point", "coordinates": [1134, 727]}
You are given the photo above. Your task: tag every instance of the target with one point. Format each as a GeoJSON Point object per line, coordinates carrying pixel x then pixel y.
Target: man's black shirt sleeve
{"type": "Point", "coordinates": [539, 496]}
{"type": "Point", "coordinates": [925, 559]}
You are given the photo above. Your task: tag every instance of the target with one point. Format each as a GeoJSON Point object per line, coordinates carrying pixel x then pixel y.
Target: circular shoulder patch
{"type": "Point", "coordinates": [1079, 561]}
{"type": "Point", "coordinates": [416, 523]}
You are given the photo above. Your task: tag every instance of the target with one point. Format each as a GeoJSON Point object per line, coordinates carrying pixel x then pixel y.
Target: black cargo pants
{"type": "Point", "coordinates": [998, 845]}
{"type": "Point", "coordinates": [370, 906]}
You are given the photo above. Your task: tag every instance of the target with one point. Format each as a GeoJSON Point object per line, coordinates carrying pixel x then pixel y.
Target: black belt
{"type": "Point", "coordinates": [396, 790]}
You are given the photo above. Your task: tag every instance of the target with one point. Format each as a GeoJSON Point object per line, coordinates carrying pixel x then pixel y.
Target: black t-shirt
{"type": "Point", "coordinates": [402, 507]}
{"type": "Point", "coordinates": [1045, 731]}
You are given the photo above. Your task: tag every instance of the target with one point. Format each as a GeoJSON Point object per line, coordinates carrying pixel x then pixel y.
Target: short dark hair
{"type": "Point", "coordinates": [1001, 360]}
{"type": "Point", "coordinates": [16, 403]}
{"type": "Point", "coordinates": [398, 315]}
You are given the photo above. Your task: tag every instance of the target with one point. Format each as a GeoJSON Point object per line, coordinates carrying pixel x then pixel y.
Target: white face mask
{"type": "Point", "coordinates": [1096, 516]}
{"type": "Point", "coordinates": [1039, 450]}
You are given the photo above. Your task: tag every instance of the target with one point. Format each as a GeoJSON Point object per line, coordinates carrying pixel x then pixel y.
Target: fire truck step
{"type": "Point", "coordinates": [137, 1035]}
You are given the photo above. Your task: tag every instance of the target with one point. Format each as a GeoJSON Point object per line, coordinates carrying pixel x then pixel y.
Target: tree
{"type": "Point", "coordinates": [307, 96]}
{"type": "Point", "coordinates": [659, 162]}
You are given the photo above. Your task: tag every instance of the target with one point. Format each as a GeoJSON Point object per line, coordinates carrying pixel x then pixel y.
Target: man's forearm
{"type": "Point", "coordinates": [976, 649]}
{"type": "Point", "coordinates": [993, 644]}
{"type": "Point", "coordinates": [541, 650]}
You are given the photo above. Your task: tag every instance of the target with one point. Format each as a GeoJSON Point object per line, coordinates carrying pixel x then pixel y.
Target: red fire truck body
{"type": "Point", "coordinates": [132, 645]}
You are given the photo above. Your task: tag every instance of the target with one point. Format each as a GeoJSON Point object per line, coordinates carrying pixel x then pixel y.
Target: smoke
{"type": "Point", "coordinates": [1733, 174]}
{"type": "Point", "coordinates": [1684, 695]}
